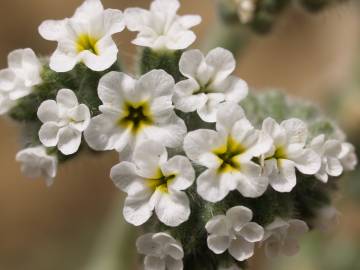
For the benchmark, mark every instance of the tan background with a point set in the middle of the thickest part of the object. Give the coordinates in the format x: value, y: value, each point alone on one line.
x: 55, y: 228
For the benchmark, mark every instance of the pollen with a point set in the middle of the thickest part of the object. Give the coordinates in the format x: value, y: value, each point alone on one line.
x: 136, y: 116
x: 86, y: 42
x: 160, y: 182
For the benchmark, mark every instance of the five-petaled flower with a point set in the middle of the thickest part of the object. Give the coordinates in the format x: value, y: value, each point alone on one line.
x: 281, y: 237
x: 63, y: 120
x: 329, y: 152
x: 209, y: 83
x: 234, y: 232
x: 154, y: 182
x: 134, y: 111
x: 228, y: 154
x: 17, y: 80
x: 287, y: 153
x: 36, y: 162
x: 160, y: 27
x: 161, y: 251
x: 86, y: 37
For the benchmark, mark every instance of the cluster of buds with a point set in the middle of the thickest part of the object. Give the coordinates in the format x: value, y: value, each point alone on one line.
x: 260, y: 15
x: 210, y: 169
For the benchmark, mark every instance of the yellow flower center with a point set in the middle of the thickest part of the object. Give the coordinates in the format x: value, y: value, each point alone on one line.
x: 136, y: 116
x: 87, y: 43
x: 160, y: 182
x: 227, y: 156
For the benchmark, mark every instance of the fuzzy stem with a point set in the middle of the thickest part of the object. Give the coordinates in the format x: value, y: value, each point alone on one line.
x: 115, y: 248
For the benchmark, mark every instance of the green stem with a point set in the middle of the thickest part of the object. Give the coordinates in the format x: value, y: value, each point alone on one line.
x: 115, y: 248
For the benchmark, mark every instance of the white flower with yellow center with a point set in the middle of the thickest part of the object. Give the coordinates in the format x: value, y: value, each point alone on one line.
x: 228, y: 154
x: 153, y: 182
x: 161, y: 250
x: 17, y: 80
x: 329, y: 152
x: 160, y: 27
x: 209, y: 83
x: 63, y: 120
x: 86, y: 37
x: 36, y: 162
x: 234, y: 232
x: 135, y: 110
x: 287, y: 153
x: 281, y: 237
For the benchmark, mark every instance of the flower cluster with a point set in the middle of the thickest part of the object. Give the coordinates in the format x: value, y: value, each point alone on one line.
x: 200, y: 172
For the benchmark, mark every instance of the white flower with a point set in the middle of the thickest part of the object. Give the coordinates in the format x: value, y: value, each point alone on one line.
x: 228, y: 154
x: 63, y: 120
x: 281, y: 237
x: 326, y: 218
x: 348, y: 157
x: 209, y: 83
x: 86, y: 37
x: 134, y: 110
x: 288, y: 153
x: 17, y: 80
x: 234, y: 232
x: 329, y: 152
x: 35, y: 162
x: 161, y: 251
x: 161, y: 27
x: 246, y: 9
x: 154, y: 182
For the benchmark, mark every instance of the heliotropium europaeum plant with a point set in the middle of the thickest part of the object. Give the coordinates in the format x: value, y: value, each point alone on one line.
x: 210, y: 169
x: 261, y: 15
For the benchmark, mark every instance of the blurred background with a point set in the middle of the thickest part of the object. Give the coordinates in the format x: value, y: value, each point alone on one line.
x: 315, y: 56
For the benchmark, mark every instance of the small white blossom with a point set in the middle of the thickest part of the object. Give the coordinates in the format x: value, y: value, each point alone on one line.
x: 329, y: 152
x: 326, y: 218
x: 36, y: 162
x: 246, y: 9
x: 86, y: 37
x: 234, y: 232
x: 209, y: 83
x: 17, y: 80
x: 281, y: 237
x: 160, y: 27
x: 288, y: 152
x: 63, y: 120
x: 134, y: 111
x: 153, y: 182
x: 161, y: 250
x: 228, y: 153
x: 348, y: 156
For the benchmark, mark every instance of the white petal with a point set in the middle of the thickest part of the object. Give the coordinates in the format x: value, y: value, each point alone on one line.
x: 218, y: 244
x: 184, y: 173
x: 88, y: 9
x: 173, y: 264
x: 239, y: 216
x: 211, y: 187
x: 283, y: 180
x: 148, y: 156
x: 112, y: 87
x: 52, y: 30
x: 332, y: 148
x: 69, y: 141
x: 334, y: 167
x: 113, y: 21
x: 67, y: 98
x: 64, y: 58
x: 218, y: 225
x: 190, y: 62
x: 181, y: 40
x: 307, y: 162
x: 222, y: 61
x: 7, y: 80
x: 173, y: 208
x: 228, y: 114
x: 154, y: 263
x: 237, y: 89
x: 241, y: 250
x: 274, y: 130
x: 48, y: 134
x: 184, y: 99
x: 165, y: 6
x: 209, y: 111
x: 250, y: 183
x: 296, y: 130
x: 48, y: 111
x: 125, y: 177
x: 81, y: 117
x: 157, y: 82
x: 175, y: 251
x: 137, y: 209
x: 136, y: 18
x: 189, y: 21
x: 252, y: 232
